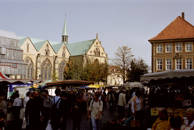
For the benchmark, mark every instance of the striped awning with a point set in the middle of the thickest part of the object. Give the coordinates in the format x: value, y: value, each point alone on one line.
x: 3, y: 76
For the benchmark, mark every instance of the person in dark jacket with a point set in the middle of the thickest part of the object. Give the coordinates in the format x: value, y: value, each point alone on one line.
x: 33, y: 112
x: 77, y: 110
x: 63, y: 110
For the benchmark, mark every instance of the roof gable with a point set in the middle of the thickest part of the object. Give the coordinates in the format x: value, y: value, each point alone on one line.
x: 56, y: 47
x: 21, y: 41
x: 79, y: 48
x: 39, y: 44
x: 177, y: 29
x: 44, y: 45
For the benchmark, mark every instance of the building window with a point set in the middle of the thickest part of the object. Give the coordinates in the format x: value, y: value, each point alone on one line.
x: 46, y: 69
x: 189, y: 63
x: 168, y: 48
x: 178, y: 47
x: 178, y: 64
x: 159, y: 64
x: 188, y: 47
x: 168, y: 64
x: 29, y: 70
x: 28, y: 47
x: 159, y: 48
x: 97, y: 52
x: 61, y: 70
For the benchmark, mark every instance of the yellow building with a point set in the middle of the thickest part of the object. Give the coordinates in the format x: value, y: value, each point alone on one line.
x: 173, y: 47
x: 46, y: 59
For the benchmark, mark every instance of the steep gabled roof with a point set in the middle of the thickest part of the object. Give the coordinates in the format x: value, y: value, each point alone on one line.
x: 177, y: 29
x: 39, y: 44
x: 21, y: 41
x: 57, y: 46
x: 79, y: 48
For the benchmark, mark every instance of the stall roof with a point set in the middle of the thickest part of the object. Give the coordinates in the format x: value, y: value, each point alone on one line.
x: 146, y: 78
x: 69, y: 83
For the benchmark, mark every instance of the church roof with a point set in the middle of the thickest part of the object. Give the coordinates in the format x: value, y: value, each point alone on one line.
x: 177, y: 29
x: 56, y: 47
x: 21, y: 41
x: 79, y: 48
x: 39, y: 44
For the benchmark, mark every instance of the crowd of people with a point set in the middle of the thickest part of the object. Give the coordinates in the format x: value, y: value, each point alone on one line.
x: 38, y: 110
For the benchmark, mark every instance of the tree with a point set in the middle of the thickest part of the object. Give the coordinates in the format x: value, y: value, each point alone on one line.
x: 91, y: 71
x: 73, y: 70
x: 138, y: 68
x: 123, y: 60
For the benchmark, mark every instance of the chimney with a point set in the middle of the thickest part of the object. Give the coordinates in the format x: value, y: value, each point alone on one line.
x: 183, y: 15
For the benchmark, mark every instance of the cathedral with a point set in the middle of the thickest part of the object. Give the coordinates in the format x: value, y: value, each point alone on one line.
x: 46, y: 59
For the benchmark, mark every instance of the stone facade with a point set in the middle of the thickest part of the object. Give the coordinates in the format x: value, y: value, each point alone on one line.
x: 173, y: 48
x: 44, y: 63
x: 46, y: 60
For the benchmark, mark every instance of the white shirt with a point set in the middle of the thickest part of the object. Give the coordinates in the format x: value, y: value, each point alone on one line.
x: 95, y: 108
x: 26, y: 99
x: 122, y: 99
x: 17, y: 102
x: 135, y: 101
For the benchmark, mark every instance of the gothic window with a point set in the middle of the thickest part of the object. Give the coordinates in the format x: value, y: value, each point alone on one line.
x: 28, y: 47
x: 97, y: 52
x: 47, y: 50
x: 29, y: 70
x: 61, y: 70
x: 63, y: 54
x: 46, y: 69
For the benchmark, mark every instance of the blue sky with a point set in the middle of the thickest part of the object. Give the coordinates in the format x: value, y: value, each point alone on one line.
x: 118, y: 22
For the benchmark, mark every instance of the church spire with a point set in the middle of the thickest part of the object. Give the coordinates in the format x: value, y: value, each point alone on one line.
x: 64, y: 34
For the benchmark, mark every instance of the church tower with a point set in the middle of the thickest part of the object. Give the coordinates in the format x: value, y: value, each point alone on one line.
x: 64, y: 34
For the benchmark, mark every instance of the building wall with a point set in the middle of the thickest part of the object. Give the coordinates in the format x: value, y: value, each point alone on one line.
x: 183, y: 55
x: 11, y: 61
x: 39, y: 57
x: 97, y: 52
x: 114, y: 79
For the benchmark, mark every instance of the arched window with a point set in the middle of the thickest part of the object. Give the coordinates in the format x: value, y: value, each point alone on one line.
x: 28, y: 47
x: 29, y: 70
x: 97, y: 52
x: 61, y: 70
x: 46, y: 69
x: 96, y: 61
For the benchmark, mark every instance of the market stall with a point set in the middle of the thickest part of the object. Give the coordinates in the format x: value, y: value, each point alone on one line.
x: 66, y: 85
x: 172, y: 90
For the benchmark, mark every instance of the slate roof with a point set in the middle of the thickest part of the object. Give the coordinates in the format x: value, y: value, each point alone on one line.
x: 21, y: 42
x: 56, y: 47
x: 39, y: 44
x: 177, y: 29
x: 79, y: 48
